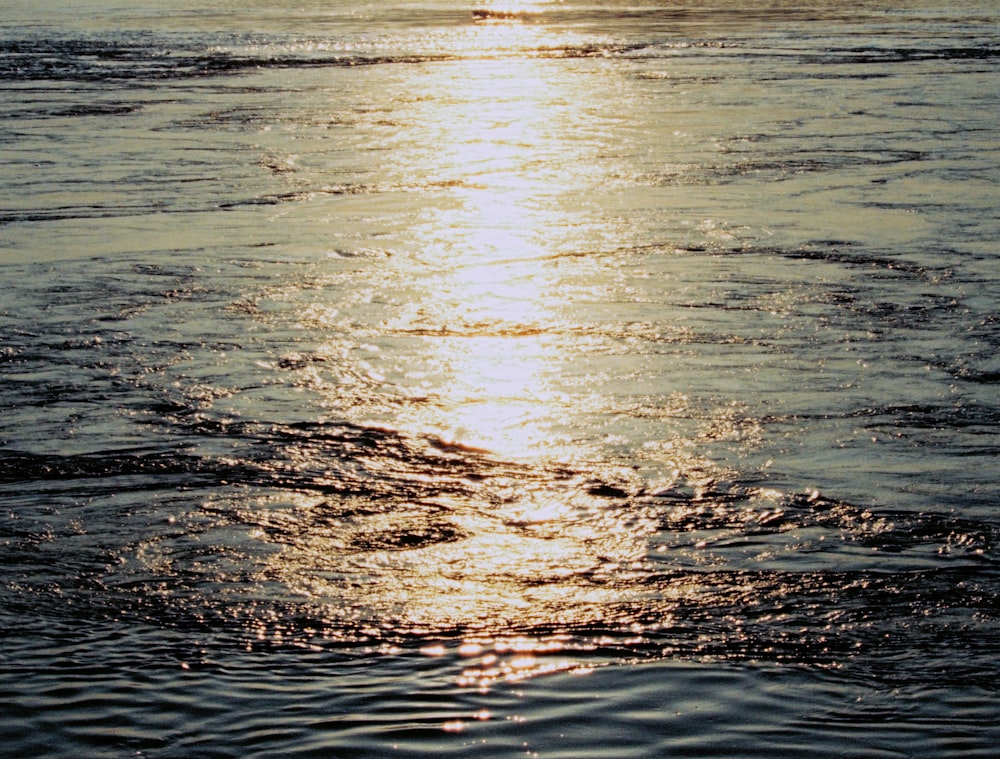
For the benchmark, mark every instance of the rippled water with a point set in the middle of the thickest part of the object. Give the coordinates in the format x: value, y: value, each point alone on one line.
x: 557, y: 378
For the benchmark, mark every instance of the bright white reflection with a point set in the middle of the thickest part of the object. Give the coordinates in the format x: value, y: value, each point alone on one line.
x: 514, y: 6
x: 490, y: 325
x: 506, y: 141
x: 480, y: 333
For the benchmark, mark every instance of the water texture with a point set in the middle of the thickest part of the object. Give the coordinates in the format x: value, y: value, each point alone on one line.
x: 548, y: 378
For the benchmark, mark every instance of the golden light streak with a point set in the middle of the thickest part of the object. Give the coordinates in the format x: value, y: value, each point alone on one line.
x: 481, y: 348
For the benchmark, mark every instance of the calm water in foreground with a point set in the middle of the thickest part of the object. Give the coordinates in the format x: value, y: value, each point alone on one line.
x: 562, y: 379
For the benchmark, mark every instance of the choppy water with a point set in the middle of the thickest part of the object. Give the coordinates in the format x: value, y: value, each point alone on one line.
x: 565, y: 378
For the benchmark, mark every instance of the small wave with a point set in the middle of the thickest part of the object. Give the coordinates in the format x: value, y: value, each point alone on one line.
x: 21, y: 467
x: 139, y: 59
x: 867, y: 55
x: 489, y: 15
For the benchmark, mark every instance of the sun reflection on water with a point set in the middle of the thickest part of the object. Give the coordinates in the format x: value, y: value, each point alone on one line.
x: 503, y: 135
x: 480, y: 338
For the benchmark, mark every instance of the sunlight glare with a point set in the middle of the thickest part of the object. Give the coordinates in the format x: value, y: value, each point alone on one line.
x: 493, y: 309
x: 479, y: 340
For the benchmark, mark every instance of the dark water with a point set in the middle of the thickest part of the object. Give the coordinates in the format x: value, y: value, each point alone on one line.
x: 553, y: 379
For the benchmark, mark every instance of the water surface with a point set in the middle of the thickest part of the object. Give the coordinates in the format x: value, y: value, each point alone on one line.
x: 565, y: 378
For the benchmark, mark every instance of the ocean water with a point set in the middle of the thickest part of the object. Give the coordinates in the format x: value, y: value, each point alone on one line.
x: 555, y: 379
